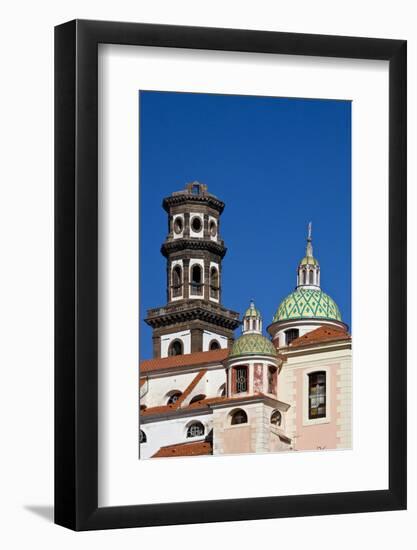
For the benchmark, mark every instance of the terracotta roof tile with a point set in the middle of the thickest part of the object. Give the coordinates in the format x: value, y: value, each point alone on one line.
x: 198, y: 448
x: 157, y: 410
x: 321, y: 334
x: 204, y: 403
x: 190, y: 388
x: 190, y: 359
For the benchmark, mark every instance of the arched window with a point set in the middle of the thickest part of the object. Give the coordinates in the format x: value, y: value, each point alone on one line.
x: 214, y: 344
x: 311, y: 277
x: 175, y: 348
x: 196, y: 429
x: 176, y: 281
x: 214, y: 283
x: 304, y: 277
x: 276, y: 418
x: 142, y: 436
x: 240, y: 382
x: 317, y: 394
x: 239, y: 417
x: 272, y: 379
x: 178, y: 225
x: 222, y: 391
x: 196, y: 278
x: 198, y: 397
x: 173, y: 397
x: 290, y: 335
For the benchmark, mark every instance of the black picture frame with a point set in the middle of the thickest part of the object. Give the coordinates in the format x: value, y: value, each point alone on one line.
x: 76, y: 272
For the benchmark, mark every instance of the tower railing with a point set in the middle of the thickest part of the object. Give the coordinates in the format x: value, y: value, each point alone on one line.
x: 176, y: 290
x: 196, y: 289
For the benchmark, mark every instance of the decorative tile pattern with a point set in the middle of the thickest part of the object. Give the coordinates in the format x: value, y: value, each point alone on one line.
x: 307, y: 304
x: 253, y: 344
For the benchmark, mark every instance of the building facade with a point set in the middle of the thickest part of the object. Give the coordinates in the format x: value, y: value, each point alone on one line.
x: 204, y: 392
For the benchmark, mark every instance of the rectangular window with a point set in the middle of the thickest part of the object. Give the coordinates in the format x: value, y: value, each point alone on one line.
x: 317, y: 395
x: 241, y: 379
x: 291, y: 335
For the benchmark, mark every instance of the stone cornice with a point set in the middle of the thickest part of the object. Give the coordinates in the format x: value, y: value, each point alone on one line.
x: 186, y: 198
x: 176, y: 245
x: 167, y: 316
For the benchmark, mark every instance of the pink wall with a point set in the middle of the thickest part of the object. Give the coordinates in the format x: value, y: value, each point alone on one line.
x: 315, y: 436
x: 258, y: 378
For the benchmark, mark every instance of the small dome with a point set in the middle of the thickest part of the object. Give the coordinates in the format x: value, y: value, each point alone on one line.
x: 305, y: 303
x: 252, y: 344
x: 252, y: 311
x: 309, y: 260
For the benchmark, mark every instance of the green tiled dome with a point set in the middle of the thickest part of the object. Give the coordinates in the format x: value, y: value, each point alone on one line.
x: 252, y: 344
x: 306, y: 303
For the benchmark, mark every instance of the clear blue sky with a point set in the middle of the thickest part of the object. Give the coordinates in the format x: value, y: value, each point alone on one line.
x: 277, y: 163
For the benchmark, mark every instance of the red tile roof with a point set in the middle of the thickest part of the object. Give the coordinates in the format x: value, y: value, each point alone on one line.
x: 204, y: 403
x: 321, y: 334
x: 188, y: 360
x: 198, y: 448
x: 190, y: 387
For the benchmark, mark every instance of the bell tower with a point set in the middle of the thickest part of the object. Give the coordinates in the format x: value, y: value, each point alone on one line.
x: 193, y: 318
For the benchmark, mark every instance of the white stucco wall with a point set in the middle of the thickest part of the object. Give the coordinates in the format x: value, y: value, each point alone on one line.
x: 183, y: 335
x: 160, y: 386
x: 208, y: 336
x: 170, y: 432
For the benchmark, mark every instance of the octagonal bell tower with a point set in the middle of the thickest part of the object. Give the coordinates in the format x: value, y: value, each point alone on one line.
x: 193, y: 318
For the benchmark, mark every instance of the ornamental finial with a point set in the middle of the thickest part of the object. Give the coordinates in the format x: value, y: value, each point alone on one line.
x: 309, y: 248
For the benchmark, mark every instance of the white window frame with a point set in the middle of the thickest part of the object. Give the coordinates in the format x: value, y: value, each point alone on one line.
x: 214, y: 264
x: 173, y: 264
x: 197, y: 437
x: 193, y: 262
x: 178, y: 235
x: 213, y: 219
x: 326, y: 419
x: 197, y: 234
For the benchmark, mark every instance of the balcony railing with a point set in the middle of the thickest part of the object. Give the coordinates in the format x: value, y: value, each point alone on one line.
x: 214, y: 292
x: 176, y: 291
x: 196, y: 289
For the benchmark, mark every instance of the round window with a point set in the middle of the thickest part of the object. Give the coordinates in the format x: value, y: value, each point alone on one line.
x: 178, y: 225
x: 196, y: 224
x: 213, y: 228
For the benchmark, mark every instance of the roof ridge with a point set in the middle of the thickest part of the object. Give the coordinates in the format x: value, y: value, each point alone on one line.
x: 321, y: 334
x: 190, y: 388
x: 189, y: 359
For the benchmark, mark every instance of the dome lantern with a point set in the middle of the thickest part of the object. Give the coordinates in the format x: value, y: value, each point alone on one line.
x: 308, y: 273
x: 252, y: 342
x: 252, y: 320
